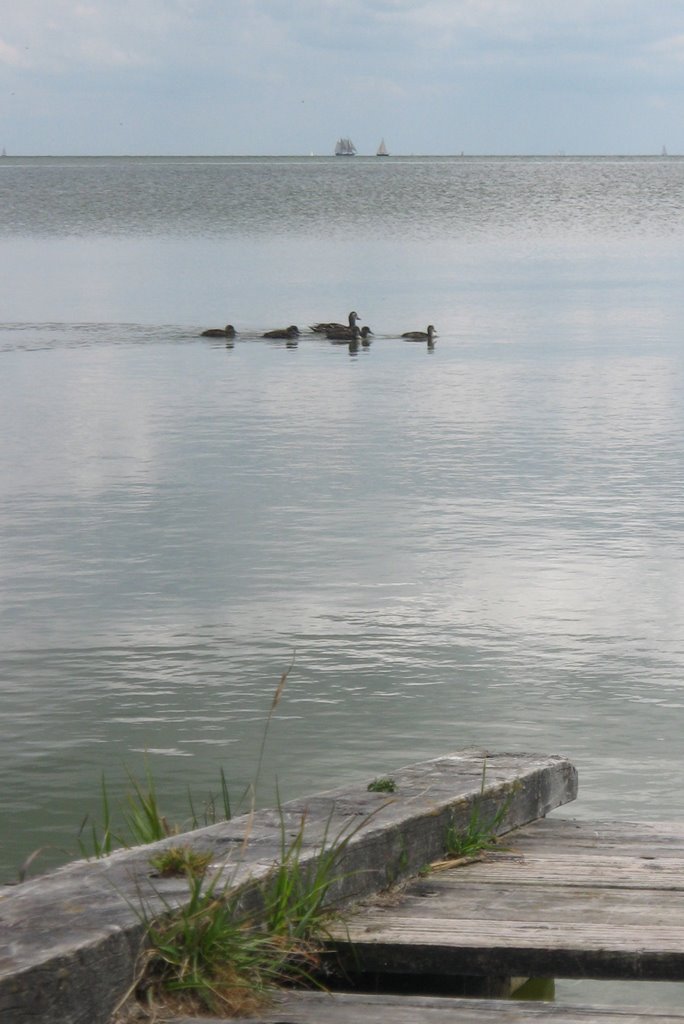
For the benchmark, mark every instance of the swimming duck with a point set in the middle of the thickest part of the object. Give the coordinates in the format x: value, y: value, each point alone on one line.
x: 219, y: 332
x: 324, y: 328
x: 283, y: 332
x: 348, y: 333
x: 428, y: 335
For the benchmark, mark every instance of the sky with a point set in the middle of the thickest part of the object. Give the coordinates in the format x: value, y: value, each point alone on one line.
x: 289, y: 77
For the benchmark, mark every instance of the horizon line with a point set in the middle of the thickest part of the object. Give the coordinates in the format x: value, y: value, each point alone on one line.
x: 296, y: 156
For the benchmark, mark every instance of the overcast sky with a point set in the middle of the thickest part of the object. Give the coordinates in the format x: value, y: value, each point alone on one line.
x: 290, y: 76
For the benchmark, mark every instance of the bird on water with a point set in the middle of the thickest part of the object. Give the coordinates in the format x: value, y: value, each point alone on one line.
x: 350, y: 334
x: 428, y: 335
x: 219, y: 332
x: 283, y: 332
x: 324, y: 328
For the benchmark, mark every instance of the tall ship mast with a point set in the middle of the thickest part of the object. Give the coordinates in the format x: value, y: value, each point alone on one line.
x: 345, y: 147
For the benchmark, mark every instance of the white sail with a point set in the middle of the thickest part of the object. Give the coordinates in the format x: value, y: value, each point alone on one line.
x: 382, y: 149
x: 345, y: 147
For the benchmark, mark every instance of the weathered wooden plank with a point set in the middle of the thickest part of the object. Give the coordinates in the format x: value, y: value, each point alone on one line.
x: 508, y: 939
x: 578, y: 870
x: 626, y: 838
x: 472, y: 947
x: 321, y: 1008
x: 450, y: 899
x: 540, y: 909
x: 566, y: 872
x: 613, y: 828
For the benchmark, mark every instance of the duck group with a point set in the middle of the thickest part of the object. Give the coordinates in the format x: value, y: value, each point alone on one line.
x: 350, y: 332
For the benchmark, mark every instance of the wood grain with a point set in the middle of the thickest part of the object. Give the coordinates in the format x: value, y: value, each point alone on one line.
x: 568, y: 899
x: 320, y: 1008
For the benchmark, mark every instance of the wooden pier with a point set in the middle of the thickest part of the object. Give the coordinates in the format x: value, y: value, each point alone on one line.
x: 564, y: 899
x: 561, y: 898
x: 556, y: 898
x: 320, y: 1008
x: 70, y: 941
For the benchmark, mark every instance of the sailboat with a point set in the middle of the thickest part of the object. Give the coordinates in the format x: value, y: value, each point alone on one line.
x: 382, y: 149
x: 345, y: 147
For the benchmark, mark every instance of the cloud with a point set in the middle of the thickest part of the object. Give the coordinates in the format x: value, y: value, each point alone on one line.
x: 670, y: 48
x: 396, y: 64
x: 12, y: 56
x: 63, y: 35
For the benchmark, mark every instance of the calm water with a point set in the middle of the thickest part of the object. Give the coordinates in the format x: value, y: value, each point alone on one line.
x: 479, y: 545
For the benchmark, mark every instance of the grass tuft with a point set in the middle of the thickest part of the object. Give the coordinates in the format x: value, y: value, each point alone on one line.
x: 481, y: 832
x: 142, y: 816
x: 294, y: 895
x: 214, y: 809
x: 142, y: 821
x: 382, y: 785
x: 102, y: 839
x: 181, y: 860
x: 205, y: 955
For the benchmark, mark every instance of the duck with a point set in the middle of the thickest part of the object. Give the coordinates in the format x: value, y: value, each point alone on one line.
x: 283, y: 332
x: 428, y: 335
x: 219, y: 332
x: 350, y: 334
x: 324, y: 328
x: 345, y: 334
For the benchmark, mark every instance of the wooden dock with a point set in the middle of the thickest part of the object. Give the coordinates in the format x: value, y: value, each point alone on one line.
x: 560, y: 898
x: 565, y: 899
x: 556, y: 898
x: 319, y: 1008
x: 70, y: 940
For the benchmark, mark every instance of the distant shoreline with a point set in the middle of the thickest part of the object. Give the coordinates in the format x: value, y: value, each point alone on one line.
x: 331, y: 156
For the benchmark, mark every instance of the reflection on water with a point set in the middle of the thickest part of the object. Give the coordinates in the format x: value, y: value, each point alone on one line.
x: 478, y: 545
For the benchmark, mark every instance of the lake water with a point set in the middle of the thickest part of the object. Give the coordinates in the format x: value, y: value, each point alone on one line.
x: 481, y: 544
